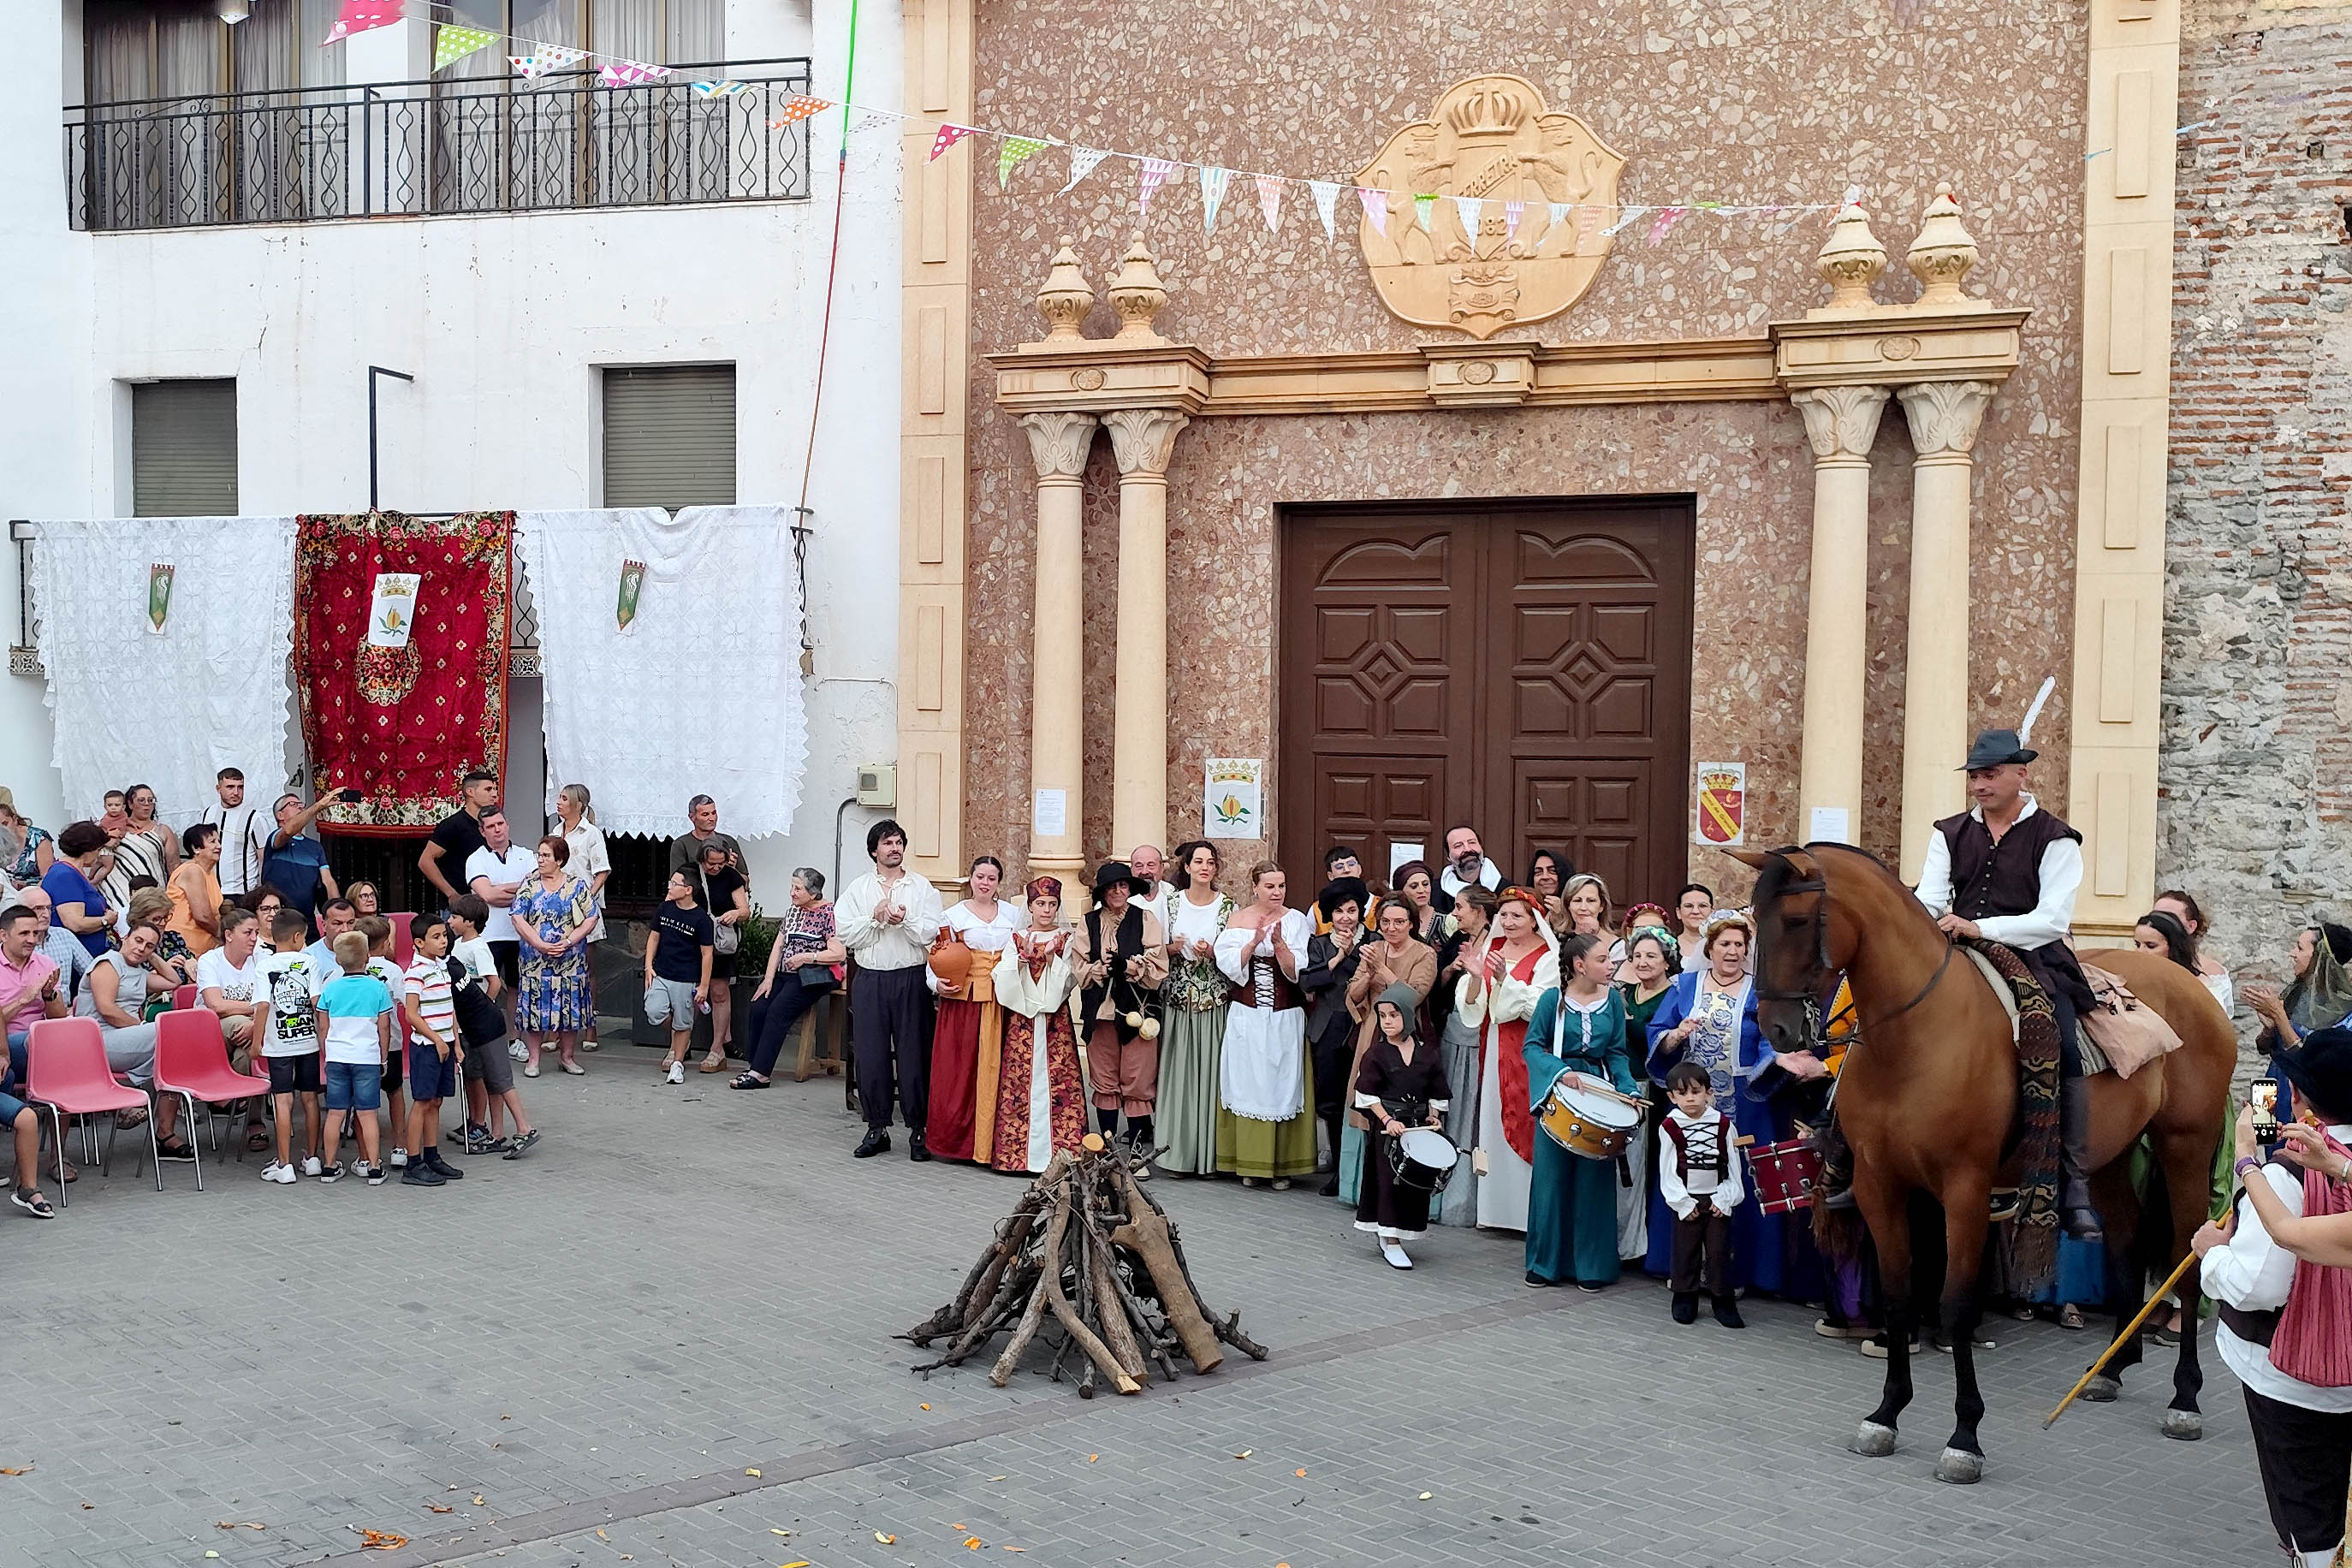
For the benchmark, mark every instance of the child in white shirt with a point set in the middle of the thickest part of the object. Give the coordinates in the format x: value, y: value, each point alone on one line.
x: 1698, y: 1175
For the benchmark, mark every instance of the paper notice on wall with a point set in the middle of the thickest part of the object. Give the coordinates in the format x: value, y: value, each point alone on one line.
x: 1404, y: 855
x: 1721, y: 813
x: 1049, y: 814
x: 1827, y: 825
x: 391, y: 609
x: 1233, y: 801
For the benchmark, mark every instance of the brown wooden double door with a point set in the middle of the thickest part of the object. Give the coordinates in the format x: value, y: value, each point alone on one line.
x: 1522, y: 666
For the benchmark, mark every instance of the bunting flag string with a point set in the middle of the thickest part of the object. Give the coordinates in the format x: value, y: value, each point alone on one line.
x: 1421, y: 207
x: 1326, y: 201
x: 1151, y: 174
x: 1269, y: 199
x: 800, y: 107
x: 1014, y: 154
x: 1083, y: 161
x: 1213, y: 193
x: 630, y: 73
x: 1376, y: 209
x: 547, y: 57
x: 728, y: 88
x: 360, y: 16
x: 1560, y: 211
x: 1469, y: 210
x: 948, y: 137
x: 1512, y: 213
x: 451, y: 44
x: 1668, y: 218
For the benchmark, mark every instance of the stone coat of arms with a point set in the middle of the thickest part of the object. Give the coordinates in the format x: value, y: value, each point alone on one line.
x: 1491, y: 138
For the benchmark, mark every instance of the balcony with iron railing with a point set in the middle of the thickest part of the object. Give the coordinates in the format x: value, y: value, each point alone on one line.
x: 411, y: 149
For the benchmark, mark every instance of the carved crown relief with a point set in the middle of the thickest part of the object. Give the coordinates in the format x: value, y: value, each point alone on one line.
x: 1490, y: 137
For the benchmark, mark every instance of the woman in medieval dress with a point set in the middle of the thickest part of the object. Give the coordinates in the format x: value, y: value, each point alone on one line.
x: 968, y: 1040
x: 1474, y: 918
x: 1193, y: 1012
x: 1041, y: 1100
x: 1266, y: 1128
x: 1503, y: 978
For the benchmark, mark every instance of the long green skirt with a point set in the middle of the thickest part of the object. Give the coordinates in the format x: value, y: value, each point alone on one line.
x: 1572, y: 1216
x: 1250, y: 1148
x: 1192, y: 1047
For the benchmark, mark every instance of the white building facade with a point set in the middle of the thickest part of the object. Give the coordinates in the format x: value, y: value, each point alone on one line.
x: 231, y: 203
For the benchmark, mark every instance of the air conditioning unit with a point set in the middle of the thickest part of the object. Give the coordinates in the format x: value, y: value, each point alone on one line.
x: 877, y: 785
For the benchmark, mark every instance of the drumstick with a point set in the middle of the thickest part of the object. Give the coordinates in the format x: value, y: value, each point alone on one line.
x: 2129, y: 1329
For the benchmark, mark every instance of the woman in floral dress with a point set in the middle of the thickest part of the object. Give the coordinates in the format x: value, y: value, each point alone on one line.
x: 1041, y: 1096
x: 554, y: 914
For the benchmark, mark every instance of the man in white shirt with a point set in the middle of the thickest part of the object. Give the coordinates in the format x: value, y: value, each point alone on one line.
x: 886, y: 920
x: 1466, y: 862
x: 2008, y: 871
x: 1147, y: 863
x: 245, y: 832
x: 494, y: 874
x: 2301, y: 1430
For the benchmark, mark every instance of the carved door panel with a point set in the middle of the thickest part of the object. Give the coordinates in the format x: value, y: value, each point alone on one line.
x: 1522, y: 668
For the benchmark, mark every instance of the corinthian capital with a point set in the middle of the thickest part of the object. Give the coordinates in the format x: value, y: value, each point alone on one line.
x: 1143, y: 439
x: 1841, y: 421
x: 1059, y: 442
x: 1945, y: 416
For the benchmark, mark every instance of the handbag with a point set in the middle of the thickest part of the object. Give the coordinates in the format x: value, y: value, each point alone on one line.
x: 724, y: 939
x: 817, y: 977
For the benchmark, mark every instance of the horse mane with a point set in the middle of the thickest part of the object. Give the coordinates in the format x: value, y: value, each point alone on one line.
x: 1776, y: 871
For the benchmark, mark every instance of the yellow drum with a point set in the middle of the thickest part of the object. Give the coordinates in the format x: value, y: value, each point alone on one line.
x: 1595, y: 1122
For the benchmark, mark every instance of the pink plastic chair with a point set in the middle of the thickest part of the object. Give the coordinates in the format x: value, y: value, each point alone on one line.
x: 66, y: 1072
x: 182, y: 999
x: 404, y: 940
x: 192, y: 1061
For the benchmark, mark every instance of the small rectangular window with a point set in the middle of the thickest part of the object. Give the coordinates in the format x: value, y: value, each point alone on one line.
x: 670, y: 435
x: 184, y: 449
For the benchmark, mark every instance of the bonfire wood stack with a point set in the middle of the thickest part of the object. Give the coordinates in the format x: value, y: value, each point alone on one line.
x: 1087, y: 1246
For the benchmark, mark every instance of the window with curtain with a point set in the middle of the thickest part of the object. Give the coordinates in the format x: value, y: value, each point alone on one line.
x: 657, y: 142
x: 500, y: 142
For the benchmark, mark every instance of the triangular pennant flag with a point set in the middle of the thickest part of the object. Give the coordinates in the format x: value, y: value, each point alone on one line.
x: 1326, y: 201
x: 1269, y: 199
x: 1010, y: 156
x: 1083, y: 161
x: 1376, y: 209
x: 1150, y: 176
x: 547, y: 57
x: 1668, y: 218
x: 876, y: 119
x: 630, y: 73
x: 1467, y: 209
x: 359, y: 16
x: 1421, y: 207
x: 948, y: 137
x: 1631, y: 214
x: 800, y: 107
x: 1560, y: 211
x: 452, y: 44
x: 1512, y: 213
x: 718, y: 89
x: 1213, y: 193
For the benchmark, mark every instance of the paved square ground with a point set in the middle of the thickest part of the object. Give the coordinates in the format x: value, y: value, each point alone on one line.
x: 584, y: 1357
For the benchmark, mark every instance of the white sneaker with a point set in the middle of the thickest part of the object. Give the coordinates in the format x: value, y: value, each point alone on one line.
x: 1395, y: 1254
x: 399, y: 1160
x: 274, y: 1171
x: 677, y: 1072
x: 518, y: 1051
x: 311, y: 1167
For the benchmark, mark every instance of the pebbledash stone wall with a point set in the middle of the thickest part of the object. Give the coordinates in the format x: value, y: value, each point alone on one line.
x: 2255, y: 814
x: 1739, y: 103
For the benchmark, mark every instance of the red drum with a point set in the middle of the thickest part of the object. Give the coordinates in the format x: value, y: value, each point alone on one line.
x: 1784, y: 1174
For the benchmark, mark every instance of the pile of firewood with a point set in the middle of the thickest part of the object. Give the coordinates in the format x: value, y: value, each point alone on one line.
x: 1088, y: 1247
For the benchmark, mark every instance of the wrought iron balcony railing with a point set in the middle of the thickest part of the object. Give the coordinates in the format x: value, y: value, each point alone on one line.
x: 482, y: 144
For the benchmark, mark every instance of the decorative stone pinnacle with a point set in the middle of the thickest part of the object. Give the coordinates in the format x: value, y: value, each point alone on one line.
x: 1136, y: 295
x: 1943, y: 253
x: 1849, y: 260
x: 1064, y: 299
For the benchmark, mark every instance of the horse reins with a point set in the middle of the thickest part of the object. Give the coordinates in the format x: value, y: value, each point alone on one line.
x: 1811, y: 998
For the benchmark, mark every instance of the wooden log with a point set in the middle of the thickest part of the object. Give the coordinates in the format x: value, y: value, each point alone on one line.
x: 1031, y: 1320
x: 1097, y: 1353
x: 1010, y: 1247
x: 1007, y: 1306
x: 1145, y: 1234
x: 1110, y: 1308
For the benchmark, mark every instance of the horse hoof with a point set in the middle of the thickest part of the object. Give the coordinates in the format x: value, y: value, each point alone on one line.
x: 1959, y: 1467
x: 1872, y: 1441
x: 2101, y: 1390
x: 2187, y: 1425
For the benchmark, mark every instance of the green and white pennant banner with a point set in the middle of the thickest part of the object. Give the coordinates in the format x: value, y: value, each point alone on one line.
x: 1421, y: 207
x: 1016, y: 151
x: 451, y: 44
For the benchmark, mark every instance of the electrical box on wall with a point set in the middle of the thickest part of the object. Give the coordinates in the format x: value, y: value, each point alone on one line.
x: 877, y: 785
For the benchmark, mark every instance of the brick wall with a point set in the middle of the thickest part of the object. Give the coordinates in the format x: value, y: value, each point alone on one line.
x: 2256, y: 808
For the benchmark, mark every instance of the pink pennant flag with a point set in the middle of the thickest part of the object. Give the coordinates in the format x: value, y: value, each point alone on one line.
x: 1666, y: 219
x: 1269, y: 199
x: 1512, y: 213
x: 948, y: 137
x: 630, y: 73
x: 360, y: 16
x: 1153, y: 173
x: 1376, y: 208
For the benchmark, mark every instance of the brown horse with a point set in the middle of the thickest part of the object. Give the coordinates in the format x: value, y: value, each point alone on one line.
x: 1929, y: 1100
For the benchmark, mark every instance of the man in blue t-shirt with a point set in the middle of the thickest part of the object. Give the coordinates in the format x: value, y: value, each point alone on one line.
x: 296, y: 866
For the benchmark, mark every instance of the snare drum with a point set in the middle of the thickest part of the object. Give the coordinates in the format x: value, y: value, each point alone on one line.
x: 1423, y: 1159
x: 1594, y: 1123
x: 1785, y: 1174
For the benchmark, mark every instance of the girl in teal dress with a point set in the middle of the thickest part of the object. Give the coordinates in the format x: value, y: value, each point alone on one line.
x: 1578, y: 1027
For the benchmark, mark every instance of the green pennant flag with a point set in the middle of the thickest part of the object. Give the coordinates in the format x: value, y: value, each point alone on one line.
x: 1016, y: 150
x: 1421, y: 207
x: 452, y: 44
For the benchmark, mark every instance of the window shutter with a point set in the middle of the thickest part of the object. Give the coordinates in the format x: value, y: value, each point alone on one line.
x: 184, y: 449
x: 669, y: 437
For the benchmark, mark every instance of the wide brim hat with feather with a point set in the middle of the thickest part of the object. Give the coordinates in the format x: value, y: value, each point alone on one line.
x: 1999, y: 748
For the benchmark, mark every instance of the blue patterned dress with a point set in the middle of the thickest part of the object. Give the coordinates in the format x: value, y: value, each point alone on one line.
x: 552, y: 997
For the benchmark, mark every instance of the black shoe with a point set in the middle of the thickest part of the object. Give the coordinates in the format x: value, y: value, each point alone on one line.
x: 2076, y: 1214
x: 442, y: 1168
x: 182, y: 1152
x: 878, y: 1142
x: 1685, y: 1307
x: 915, y: 1150
x: 1726, y: 1313
x: 420, y: 1174
x: 334, y: 1173
x: 1329, y: 1189
x: 1537, y: 1281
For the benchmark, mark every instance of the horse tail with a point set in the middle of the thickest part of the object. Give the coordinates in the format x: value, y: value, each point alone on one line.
x: 1838, y: 1233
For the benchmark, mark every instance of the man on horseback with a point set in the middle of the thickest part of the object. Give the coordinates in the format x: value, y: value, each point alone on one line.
x: 2007, y: 871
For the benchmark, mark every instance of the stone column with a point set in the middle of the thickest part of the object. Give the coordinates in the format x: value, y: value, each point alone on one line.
x: 1841, y: 422
x: 1944, y: 416
x: 1143, y: 440
x: 1058, y: 668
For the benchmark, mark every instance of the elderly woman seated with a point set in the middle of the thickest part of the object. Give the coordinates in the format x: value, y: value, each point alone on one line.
x: 115, y: 994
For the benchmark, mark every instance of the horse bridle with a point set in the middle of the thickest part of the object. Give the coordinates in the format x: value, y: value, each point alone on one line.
x: 1823, y: 975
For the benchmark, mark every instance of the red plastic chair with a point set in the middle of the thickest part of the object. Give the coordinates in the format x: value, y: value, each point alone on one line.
x: 182, y: 999
x: 404, y: 940
x: 66, y: 1072
x: 192, y: 1061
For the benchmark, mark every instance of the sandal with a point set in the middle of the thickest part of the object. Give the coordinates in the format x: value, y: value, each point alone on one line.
x: 751, y: 1080
x: 32, y: 1203
x: 257, y: 1138
x: 2070, y: 1316
x: 127, y: 1119
x: 712, y: 1064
